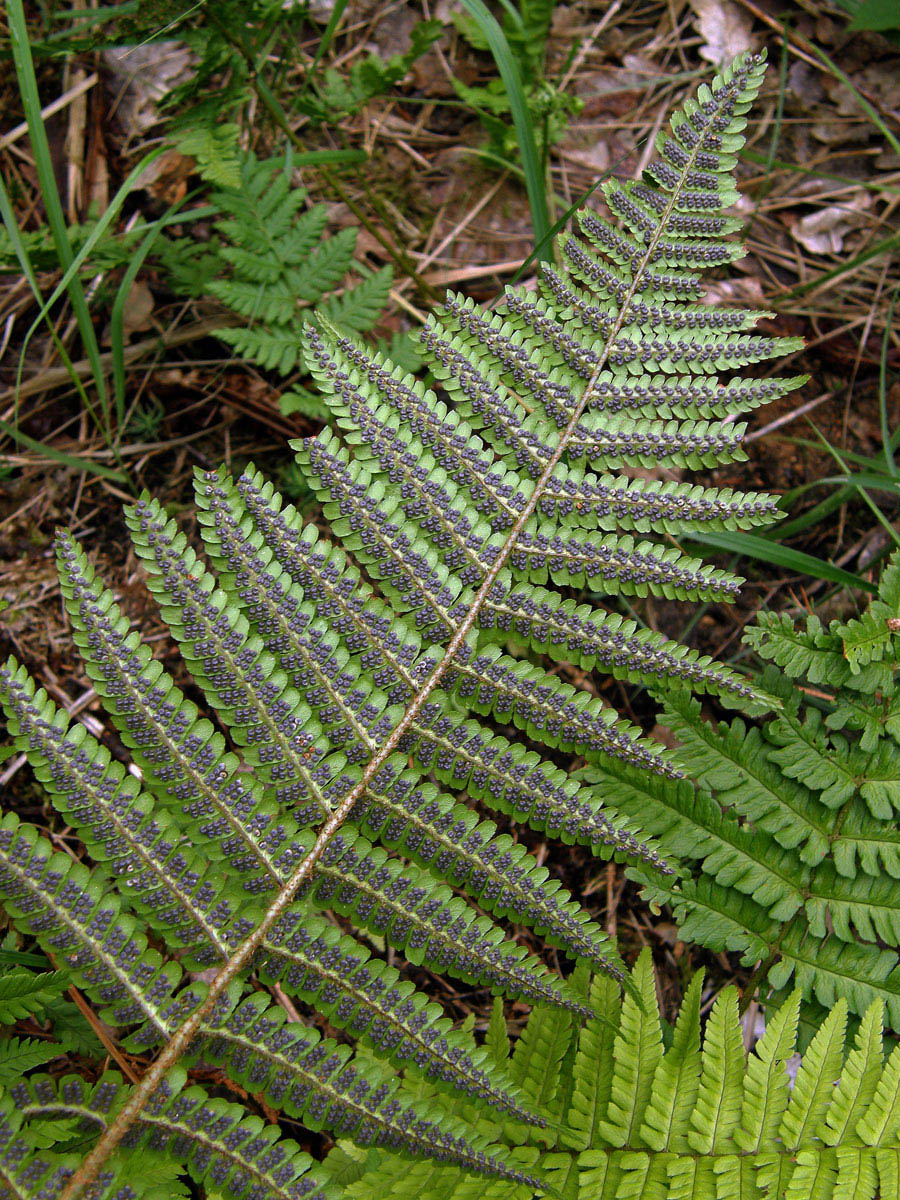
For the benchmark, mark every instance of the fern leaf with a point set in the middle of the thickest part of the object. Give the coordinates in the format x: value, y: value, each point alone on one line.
x: 24, y: 993
x: 278, y: 269
x: 116, y: 820
x: 275, y: 347
x: 102, y: 948
x: 592, y: 1067
x: 323, y: 268
x: 676, y: 1079
x: 537, y: 1057
x: 859, y: 1078
x: 766, y: 1086
x: 18, y: 1055
x: 870, y: 637
x: 717, y: 1111
x: 215, y: 148
x: 812, y: 1087
x: 638, y: 1049
x: 320, y: 1082
x: 811, y: 651
x: 882, y: 1117
x: 732, y: 761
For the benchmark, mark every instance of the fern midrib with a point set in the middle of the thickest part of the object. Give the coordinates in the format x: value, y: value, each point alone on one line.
x: 156, y: 867
x: 89, y: 1167
x: 264, y: 594
x: 422, y: 732
x: 501, y: 779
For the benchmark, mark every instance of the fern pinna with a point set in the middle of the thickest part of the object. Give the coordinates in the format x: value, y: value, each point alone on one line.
x: 791, y: 845
x: 356, y: 683
x: 640, y: 1110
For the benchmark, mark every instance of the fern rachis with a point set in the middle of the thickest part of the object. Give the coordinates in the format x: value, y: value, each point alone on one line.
x: 351, y: 673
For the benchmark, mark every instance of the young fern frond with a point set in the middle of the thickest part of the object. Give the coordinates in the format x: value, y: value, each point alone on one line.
x: 280, y: 270
x: 357, y: 682
x: 688, y: 1115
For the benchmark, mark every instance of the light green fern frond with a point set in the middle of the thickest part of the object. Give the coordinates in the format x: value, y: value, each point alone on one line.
x: 718, y: 1122
x: 278, y: 269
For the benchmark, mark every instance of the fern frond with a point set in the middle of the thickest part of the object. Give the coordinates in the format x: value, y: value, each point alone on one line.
x: 348, y: 673
x: 358, y: 307
x: 794, y: 824
x: 592, y: 1066
x: 718, y: 1108
x: 719, y: 1122
x: 278, y: 269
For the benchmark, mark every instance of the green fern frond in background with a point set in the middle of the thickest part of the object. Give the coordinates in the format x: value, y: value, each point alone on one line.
x: 640, y: 1110
x: 278, y: 270
x: 791, y: 845
x: 355, y: 682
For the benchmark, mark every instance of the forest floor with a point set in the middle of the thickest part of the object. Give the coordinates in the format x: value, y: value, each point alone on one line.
x: 820, y: 198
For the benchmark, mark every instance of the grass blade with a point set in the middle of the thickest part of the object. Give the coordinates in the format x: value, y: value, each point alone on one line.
x: 24, y: 66
x: 750, y: 545
x: 521, y: 114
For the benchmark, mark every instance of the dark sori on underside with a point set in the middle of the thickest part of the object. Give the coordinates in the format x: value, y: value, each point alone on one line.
x: 237, y: 884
